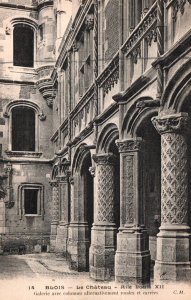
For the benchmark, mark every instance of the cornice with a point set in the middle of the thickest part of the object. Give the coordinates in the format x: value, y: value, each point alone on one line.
x: 122, y: 97
x: 18, y: 6
x: 10, y: 81
x: 83, y: 134
x: 108, y: 112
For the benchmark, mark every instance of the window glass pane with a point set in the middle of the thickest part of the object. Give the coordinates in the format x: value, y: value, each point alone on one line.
x: 23, y: 129
x: 30, y: 201
x: 23, y: 46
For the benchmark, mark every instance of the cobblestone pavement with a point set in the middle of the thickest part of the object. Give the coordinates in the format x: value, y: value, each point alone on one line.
x: 44, y: 265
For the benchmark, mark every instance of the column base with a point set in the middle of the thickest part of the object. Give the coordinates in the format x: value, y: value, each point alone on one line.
x: 61, y: 238
x: 132, y: 259
x: 78, y: 246
x: 102, y: 252
x: 173, y: 254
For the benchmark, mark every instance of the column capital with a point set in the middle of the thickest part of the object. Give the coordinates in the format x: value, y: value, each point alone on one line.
x: 174, y: 123
x: 63, y: 179
x: 130, y: 145
x: 54, y: 183
x: 104, y: 159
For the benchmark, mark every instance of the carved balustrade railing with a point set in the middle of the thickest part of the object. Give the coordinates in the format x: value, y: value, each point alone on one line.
x: 146, y: 28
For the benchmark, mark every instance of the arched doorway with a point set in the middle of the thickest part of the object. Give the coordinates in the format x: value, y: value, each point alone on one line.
x: 81, y: 210
x: 151, y: 183
x: 87, y: 185
x: 106, y: 205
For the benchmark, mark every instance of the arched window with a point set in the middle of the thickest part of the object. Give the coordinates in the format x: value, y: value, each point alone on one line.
x: 23, y: 46
x: 23, y: 129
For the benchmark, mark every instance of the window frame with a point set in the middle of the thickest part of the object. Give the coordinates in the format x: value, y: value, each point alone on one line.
x: 40, y: 199
x: 9, y: 26
x: 39, y: 116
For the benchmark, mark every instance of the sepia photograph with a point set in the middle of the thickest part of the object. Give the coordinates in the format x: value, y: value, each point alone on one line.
x: 95, y: 149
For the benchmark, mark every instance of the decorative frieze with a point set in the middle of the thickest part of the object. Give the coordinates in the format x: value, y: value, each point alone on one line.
x: 110, y: 76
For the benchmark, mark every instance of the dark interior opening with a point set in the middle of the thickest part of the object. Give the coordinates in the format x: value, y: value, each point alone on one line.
x: 88, y: 201
x: 151, y: 184
x: 30, y: 201
x: 88, y: 193
x: 23, y: 129
x: 113, y: 149
x: 23, y: 46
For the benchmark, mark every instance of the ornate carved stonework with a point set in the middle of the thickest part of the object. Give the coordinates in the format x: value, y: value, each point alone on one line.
x: 151, y: 36
x: 92, y: 171
x: 104, y: 159
x: 89, y: 22
x: 105, y: 202
x: 130, y: 145
x: 135, y: 54
x: 128, y: 190
x: 7, y: 30
x: 55, y: 201
x: 148, y: 21
x: 173, y: 123
x: 174, y: 189
x: 179, y: 5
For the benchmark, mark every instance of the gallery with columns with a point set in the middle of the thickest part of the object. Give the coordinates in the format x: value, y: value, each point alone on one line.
x: 101, y: 174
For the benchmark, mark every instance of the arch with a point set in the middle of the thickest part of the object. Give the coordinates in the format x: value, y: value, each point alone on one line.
x: 26, y: 103
x: 108, y: 134
x: 80, y: 155
x: 135, y: 116
x: 9, y: 25
x: 178, y: 88
x: 22, y: 20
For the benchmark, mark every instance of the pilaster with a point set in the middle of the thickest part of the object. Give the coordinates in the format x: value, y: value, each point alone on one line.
x: 55, y: 213
x: 62, y: 229
x: 103, y: 234
x: 132, y: 259
x: 173, y: 241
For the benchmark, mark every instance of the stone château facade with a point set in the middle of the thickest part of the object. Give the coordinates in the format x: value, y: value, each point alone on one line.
x: 95, y: 135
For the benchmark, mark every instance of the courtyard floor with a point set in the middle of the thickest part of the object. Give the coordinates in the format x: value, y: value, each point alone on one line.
x: 47, y: 276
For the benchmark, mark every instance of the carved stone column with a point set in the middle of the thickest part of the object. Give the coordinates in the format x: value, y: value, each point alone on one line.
x: 103, y: 234
x: 173, y: 240
x: 55, y: 213
x: 62, y: 230
x: 132, y: 260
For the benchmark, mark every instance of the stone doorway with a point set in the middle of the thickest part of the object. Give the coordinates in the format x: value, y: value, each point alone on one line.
x: 87, y: 180
x: 151, y: 184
